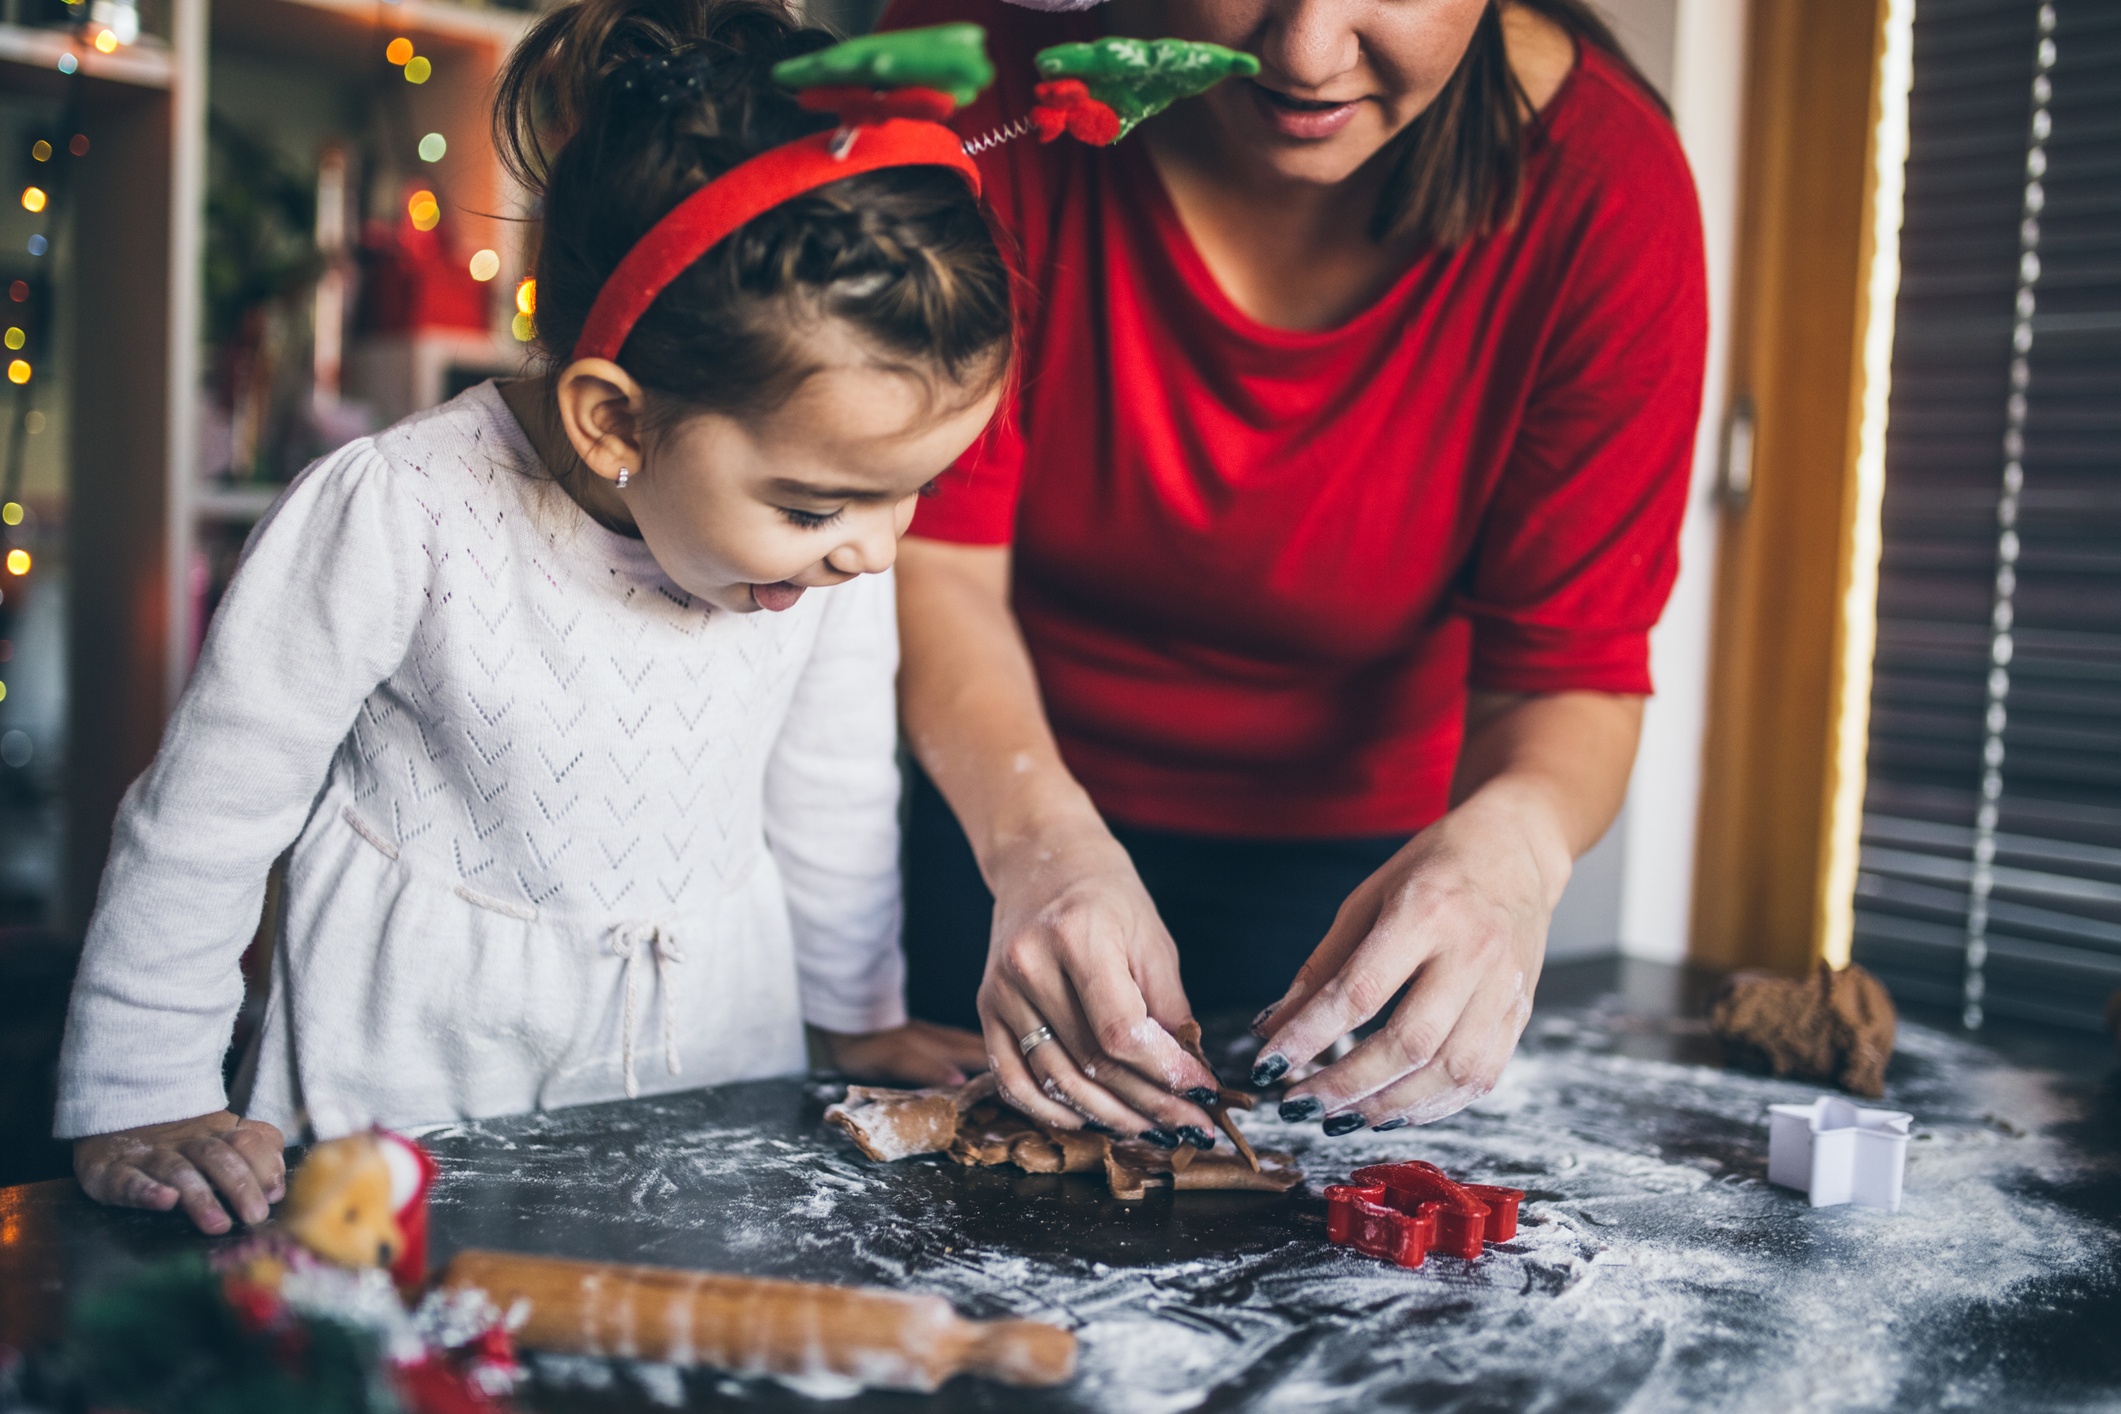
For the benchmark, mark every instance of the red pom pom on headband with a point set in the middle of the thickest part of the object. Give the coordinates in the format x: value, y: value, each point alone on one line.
x: 700, y: 222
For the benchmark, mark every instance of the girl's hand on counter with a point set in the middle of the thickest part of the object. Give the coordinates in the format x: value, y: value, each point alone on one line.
x: 918, y: 1053
x: 200, y: 1164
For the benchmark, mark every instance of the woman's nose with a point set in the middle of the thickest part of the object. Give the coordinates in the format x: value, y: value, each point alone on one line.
x: 1310, y: 43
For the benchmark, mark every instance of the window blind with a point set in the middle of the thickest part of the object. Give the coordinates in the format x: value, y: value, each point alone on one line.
x: 1990, y: 878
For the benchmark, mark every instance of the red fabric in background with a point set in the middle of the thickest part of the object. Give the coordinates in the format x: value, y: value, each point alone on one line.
x: 1257, y: 569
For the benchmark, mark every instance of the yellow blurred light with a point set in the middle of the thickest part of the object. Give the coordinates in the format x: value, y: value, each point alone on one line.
x: 527, y: 297
x: 399, y: 50
x: 33, y: 198
x: 41, y: 150
x: 15, y: 337
x: 3, y: 692
x: 524, y: 328
x: 18, y: 371
x: 485, y: 265
x: 18, y: 562
x: 11, y: 513
x: 434, y: 147
x: 417, y: 69
x: 425, y: 211
x: 107, y: 42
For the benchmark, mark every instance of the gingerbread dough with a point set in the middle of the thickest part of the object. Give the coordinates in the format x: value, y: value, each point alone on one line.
x: 1189, y: 1038
x: 1832, y: 1026
x: 976, y: 1129
x: 889, y: 1125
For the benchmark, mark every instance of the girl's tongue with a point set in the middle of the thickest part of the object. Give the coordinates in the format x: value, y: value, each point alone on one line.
x: 774, y: 598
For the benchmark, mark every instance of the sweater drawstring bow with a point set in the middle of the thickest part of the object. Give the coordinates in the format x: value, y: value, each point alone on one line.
x: 627, y: 942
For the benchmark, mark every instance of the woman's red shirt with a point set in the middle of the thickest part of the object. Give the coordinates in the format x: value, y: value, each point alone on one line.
x: 1258, y: 569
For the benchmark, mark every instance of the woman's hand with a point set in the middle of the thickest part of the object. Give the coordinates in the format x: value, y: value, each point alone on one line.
x: 918, y: 1053
x: 200, y: 1163
x: 1078, y: 947
x: 1460, y: 913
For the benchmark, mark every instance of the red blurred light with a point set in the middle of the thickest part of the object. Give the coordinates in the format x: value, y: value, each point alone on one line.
x: 19, y: 291
x: 79, y: 145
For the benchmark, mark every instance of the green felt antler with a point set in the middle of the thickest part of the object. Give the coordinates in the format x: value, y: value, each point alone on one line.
x: 949, y: 58
x: 1139, y: 78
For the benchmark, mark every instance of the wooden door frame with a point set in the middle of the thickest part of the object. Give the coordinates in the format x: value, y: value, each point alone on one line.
x: 1796, y: 593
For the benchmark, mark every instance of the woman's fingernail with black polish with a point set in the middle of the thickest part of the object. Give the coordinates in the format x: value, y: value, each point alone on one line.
x: 1162, y: 1138
x: 1261, y: 1019
x: 1196, y: 1136
x: 1203, y: 1096
x: 1389, y: 1124
x: 1342, y: 1124
x: 1301, y: 1108
x: 1270, y: 1069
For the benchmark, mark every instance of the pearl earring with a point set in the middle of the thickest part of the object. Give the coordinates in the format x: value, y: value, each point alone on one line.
x: 624, y: 477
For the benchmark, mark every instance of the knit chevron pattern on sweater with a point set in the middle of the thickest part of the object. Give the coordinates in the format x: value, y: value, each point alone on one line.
x: 539, y: 796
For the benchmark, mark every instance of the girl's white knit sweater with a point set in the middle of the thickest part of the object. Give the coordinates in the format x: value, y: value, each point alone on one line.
x: 557, y: 825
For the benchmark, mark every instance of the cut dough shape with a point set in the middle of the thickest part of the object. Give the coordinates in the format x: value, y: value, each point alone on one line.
x: 977, y: 1130
x: 1059, y: 1151
x: 987, y: 1135
x: 889, y: 1125
x: 1189, y: 1037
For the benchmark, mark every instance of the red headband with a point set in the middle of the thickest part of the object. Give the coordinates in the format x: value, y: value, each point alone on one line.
x: 696, y: 224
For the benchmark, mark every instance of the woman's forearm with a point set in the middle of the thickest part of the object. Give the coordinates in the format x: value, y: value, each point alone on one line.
x: 1559, y: 763
x: 970, y: 701
x: 1080, y: 955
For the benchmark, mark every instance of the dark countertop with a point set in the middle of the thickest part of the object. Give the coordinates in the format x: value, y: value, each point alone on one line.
x: 1656, y: 1269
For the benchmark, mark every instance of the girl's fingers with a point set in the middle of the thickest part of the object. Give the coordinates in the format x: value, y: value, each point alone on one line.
x: 1355, y: 921
x: 125, y: 1186
x: 964, y: 1049
x: 230, y: 1173
x: 1402, y: 1047
x: 262, y: 1148
x: 194, y: 1194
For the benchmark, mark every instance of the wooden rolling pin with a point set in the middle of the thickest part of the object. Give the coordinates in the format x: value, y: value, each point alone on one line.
x: 757, y: 1326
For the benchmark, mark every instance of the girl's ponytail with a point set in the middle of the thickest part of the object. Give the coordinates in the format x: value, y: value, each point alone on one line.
x: 611, y: 112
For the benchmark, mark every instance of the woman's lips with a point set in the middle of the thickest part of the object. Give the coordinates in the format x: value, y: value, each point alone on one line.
x: 1301, y: 118
x: 775, y: 598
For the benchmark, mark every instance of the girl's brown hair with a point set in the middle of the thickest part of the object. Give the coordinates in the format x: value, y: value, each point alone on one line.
x: 1458, y: 170
x: 611, y: 112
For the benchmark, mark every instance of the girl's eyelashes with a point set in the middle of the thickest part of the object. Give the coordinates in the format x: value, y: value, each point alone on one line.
x: 811, y: 520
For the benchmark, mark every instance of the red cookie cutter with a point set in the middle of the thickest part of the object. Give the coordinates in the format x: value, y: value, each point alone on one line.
x: 1400, y: 1211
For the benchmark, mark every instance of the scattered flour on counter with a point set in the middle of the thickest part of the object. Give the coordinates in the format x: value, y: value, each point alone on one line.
x: 1655, y: 1269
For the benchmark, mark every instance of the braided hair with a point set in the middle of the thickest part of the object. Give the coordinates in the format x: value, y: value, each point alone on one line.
x: 611, y: 112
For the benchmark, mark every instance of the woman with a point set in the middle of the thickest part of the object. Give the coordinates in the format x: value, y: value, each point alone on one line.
x: 1303, y: 590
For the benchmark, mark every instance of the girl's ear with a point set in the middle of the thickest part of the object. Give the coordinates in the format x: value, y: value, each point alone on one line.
x: 602, y: 409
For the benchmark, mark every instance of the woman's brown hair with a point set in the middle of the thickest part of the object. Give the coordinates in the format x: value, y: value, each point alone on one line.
x: 1458, y: 170
x: 611, y: 112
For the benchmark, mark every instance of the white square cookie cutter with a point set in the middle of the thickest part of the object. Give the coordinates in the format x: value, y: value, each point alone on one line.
x: 1839, y: 1153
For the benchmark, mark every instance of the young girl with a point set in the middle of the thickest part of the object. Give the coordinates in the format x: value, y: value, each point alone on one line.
x: 574, y: 695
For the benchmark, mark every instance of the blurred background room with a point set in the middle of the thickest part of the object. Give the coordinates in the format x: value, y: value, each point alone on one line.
x: 238, y: 234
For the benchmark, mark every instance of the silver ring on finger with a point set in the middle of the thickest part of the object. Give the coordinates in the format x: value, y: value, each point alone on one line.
x: 1032, y: 1040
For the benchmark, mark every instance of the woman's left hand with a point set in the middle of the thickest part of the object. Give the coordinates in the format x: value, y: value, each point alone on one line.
x: 1461, y: 914
x: 918, y: 1053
